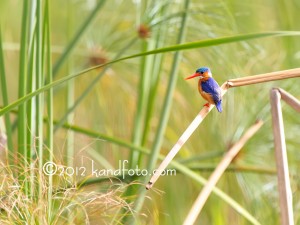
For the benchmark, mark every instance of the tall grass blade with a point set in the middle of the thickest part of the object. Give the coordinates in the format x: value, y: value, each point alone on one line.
x: 39, y: 83
x: 31, y: 111
x: 155, y: 75
x: 49, y: 102
x: 198, y: 44
x: 141, y: 104
x: 166, y: 108
x: 157, y: 66
x: 70, y: 147
x: 214, y: 42
x: 5, y: 102
x: 23, y: 81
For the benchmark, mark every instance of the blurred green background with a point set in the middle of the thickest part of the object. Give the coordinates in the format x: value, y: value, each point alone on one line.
x: 127, y: 102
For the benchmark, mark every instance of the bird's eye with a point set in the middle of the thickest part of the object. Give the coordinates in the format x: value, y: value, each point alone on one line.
x: 202, y: 72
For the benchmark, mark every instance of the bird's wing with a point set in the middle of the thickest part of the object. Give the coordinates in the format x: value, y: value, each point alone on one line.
x: 211, y: 87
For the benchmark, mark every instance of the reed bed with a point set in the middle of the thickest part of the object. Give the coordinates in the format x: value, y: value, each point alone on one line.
x: 120, y: 65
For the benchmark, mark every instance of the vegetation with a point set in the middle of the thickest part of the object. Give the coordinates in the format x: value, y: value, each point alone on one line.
x: 90, y: 84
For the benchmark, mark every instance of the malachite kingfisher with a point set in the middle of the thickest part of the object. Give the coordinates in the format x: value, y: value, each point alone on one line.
x: 208, y: 88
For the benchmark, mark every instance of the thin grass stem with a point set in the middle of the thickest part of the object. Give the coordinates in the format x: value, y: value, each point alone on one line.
x: 30, y: 112
x: 22, y: 81
x: 5, y: 102
x: 77, y: 36
x: 39, y: 83
x: 239, y: 169
x: 49, y: 102
x: 155, y: 75
x: 141, y: 104
x: 69, y: 156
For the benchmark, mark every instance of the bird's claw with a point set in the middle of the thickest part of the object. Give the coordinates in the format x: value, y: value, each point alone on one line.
x: 207, y: 104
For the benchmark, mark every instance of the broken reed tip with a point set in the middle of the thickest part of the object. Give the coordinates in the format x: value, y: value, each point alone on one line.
x: 259, y: 120
x: 229, y: 84
x: 149, y: 185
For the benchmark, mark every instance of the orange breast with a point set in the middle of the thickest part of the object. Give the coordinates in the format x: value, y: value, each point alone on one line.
x: 205, y: 95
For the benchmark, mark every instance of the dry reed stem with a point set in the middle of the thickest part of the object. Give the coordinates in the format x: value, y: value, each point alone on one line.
x: 184, y: 137
x: 284, y: 188
x: 215, y: 176
x: 279, y: 75
x: 289, y: 99
x: 266, y: 77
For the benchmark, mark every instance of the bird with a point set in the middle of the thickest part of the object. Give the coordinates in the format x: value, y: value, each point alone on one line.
x: 208, y: 88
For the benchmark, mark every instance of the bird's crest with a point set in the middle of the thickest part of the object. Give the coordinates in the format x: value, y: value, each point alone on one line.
x: 205, y: 71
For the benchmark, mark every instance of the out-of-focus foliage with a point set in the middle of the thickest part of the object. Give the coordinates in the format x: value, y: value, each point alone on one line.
x: 110, y: 107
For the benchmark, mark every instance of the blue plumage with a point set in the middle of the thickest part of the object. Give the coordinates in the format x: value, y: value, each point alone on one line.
x: 211, y: 87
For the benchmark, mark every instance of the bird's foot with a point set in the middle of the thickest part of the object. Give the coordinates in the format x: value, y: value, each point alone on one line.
x: 207, y: 104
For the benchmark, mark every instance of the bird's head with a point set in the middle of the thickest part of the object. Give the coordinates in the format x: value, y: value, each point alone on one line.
x: 202, y: 73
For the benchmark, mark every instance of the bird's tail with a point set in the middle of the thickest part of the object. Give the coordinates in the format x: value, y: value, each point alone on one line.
x: 219, y: 106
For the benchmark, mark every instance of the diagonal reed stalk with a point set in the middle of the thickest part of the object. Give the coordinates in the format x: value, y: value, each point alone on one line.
x: 279, y: 75
x: 289, y: 99
x: 219, y: 170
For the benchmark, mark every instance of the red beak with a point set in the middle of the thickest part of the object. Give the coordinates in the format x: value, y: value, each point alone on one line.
x: 192, y: 76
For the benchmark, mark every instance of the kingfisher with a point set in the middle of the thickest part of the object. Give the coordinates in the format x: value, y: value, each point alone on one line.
x: 208, y: 88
